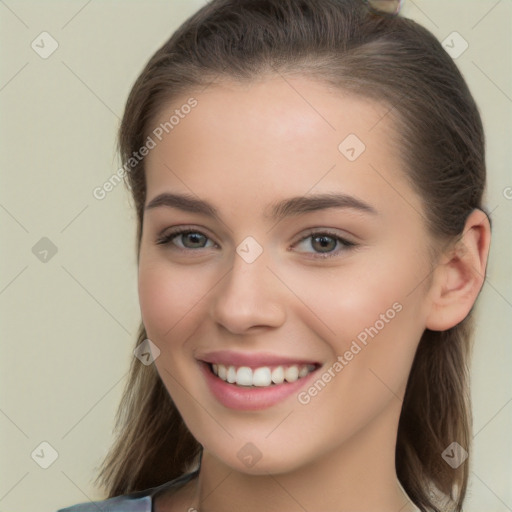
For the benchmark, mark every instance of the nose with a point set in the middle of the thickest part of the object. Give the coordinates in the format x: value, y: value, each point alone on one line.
x: 248, y: 297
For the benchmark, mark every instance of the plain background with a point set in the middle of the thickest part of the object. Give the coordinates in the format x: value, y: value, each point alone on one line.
x: 69, y: 323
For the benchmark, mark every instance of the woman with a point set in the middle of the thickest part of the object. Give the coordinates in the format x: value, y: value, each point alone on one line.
x: 308, y: 179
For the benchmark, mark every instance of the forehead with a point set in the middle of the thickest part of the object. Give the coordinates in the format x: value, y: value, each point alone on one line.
x: 278, y: 136
x: 291, y: 108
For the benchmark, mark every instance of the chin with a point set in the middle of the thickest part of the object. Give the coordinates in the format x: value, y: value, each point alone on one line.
x: 251, y: 460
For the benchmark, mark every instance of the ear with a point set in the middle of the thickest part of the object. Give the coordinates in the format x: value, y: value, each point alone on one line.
x: 459, y: 275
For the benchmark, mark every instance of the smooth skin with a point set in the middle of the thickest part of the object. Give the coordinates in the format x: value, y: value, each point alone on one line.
x: 243, y: 148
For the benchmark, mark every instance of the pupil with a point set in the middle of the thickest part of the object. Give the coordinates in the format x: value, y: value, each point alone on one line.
x: 193, y: 237
x: 325, y: 240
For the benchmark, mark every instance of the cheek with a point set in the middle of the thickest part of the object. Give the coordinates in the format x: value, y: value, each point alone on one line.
x: 379, y: 322
x: 367, y: 296
x: 368, y: 317
x: 366, y: 314
x: 170, y: 299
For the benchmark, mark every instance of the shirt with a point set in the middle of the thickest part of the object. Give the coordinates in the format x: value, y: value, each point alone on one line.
x: 140, y: 501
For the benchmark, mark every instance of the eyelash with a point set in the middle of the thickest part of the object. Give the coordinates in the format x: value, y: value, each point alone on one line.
x: 167, y: 239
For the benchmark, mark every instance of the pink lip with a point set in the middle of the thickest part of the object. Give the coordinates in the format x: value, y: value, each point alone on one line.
x: 230, y: 358
x: 251, y: 398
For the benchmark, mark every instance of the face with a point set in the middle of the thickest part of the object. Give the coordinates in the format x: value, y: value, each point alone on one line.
x: 329, y: 296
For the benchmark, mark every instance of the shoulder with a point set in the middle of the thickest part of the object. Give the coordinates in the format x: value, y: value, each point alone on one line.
x: 140, y: 501
x: 136, y: 502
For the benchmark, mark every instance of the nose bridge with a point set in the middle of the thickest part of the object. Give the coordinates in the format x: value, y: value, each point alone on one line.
x: 249, y: 266
x: 248, y: 295
x: 248, y: 280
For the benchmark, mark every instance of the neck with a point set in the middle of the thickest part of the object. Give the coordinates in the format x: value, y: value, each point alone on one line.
x: 358, y: 475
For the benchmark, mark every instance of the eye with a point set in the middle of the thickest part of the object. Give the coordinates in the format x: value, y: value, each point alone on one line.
x: 190, y: 239
x: 325, y: 242
x: 322, y: 242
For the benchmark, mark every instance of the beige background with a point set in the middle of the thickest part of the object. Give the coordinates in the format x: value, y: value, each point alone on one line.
x: 68, y: 324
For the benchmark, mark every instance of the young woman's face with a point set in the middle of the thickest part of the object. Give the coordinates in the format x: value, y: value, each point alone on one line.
x: 264, y: 290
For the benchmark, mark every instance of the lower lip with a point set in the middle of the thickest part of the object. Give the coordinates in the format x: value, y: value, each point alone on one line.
x: 251, y: 398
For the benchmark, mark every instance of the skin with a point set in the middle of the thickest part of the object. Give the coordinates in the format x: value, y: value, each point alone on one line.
x: 242, y: 148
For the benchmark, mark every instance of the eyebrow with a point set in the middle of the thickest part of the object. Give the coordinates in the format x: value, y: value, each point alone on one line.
x: 276, y: 211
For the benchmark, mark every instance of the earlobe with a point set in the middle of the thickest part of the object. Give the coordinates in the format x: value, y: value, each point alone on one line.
x: 460, y: 274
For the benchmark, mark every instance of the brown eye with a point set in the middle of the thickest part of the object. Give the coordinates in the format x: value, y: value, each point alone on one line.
x: 324, y: 244
x: 190, y: 239
x: 196, y: 239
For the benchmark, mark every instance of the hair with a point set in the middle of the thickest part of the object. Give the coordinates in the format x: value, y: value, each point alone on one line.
x: 390, y: 59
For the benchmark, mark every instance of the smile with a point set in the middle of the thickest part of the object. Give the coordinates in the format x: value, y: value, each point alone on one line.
x: 263, y: 376
x: 254, y: 381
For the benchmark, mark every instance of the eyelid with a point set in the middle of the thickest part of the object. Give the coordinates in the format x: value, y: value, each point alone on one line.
x: 346, y: 237
x: 345, y: 243
x: 166, y: 235
x: 184, y: 229
x: 177, y: 230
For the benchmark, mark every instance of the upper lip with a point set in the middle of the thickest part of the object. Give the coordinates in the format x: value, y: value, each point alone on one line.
x: 231, y: 358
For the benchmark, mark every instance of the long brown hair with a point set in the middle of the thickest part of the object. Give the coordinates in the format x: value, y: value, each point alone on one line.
x: 388, y: 58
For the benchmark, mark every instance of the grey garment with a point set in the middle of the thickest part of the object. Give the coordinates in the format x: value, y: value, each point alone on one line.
x: 141, y: 501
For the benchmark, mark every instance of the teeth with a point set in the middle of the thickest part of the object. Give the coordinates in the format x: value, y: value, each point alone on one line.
x: 303, y: 371
x: 261, y: 377
x: 230, y: 374
x: 278, y: 375
x: 291, y: 374
x: 244, y: 376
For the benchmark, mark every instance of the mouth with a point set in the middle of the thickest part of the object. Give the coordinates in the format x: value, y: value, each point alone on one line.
x: 262, y: 376
x: 254, y: 381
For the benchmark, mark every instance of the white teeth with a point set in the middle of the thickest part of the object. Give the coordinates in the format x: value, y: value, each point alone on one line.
x: 291, y: 374
x: 278, y: 375
x: 244, y: 376
x: 303, y: 371
x: 263, y: 376
x: 231, y: 374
